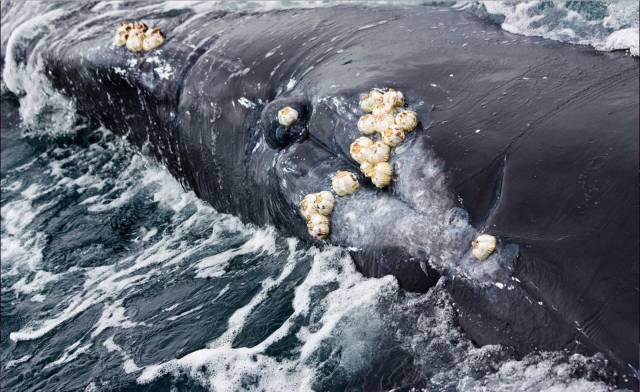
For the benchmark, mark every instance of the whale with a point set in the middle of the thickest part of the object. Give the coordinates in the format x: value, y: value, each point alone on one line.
x: 530, y: 140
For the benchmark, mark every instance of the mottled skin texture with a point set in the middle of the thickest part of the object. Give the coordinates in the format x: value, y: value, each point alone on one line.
x: 553, y: 168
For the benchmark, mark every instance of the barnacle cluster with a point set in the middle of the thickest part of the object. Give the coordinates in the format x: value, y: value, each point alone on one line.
x: 316, y: 209
x: 384, y: 116
x: 138, y: 37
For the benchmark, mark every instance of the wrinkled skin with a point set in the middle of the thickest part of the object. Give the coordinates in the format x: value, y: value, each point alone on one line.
x: 552, y: 170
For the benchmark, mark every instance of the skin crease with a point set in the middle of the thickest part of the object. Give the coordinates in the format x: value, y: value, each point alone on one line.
x: 553, y: 168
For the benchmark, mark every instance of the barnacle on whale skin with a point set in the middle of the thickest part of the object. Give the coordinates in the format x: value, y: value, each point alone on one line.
x: 393, y: 135
x: 344, y: 183
x: 382, y: 173
x: 307, y: 205
x: 384, y: 121
x: 382, y: 109
x: 407, y: 120
x: 120, y: 39
x: 134, y: 40
x: 378, y: 152
x: 318, y: 226
x: 140, y: 26
x: 153, y: 39
x: 366, y: 168
x: 359, y: 149
x: 124, y: 27
x: 483, y: 246
x: 370, y: 101
x: 287, y: 116
x: 393, y: 98
x: 367, y: 124
x: 324, y: 202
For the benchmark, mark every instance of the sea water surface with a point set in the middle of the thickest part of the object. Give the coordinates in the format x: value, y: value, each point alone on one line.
x: 115, y: 278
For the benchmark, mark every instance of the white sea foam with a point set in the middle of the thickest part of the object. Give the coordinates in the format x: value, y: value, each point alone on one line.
x: 128, y: 365
x: 262, y: 242
x: 26, y: 79
x: 622, y: 39
x: 188, y: 312
x: 21, y: 246
x: 70, y: 353
x: 561, y: 21
x: 227, y: 367
x: 18, y: 361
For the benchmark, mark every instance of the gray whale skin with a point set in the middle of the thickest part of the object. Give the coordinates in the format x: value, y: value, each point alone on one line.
x: 553, y: 169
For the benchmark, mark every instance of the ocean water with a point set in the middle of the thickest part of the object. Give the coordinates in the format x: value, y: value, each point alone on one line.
x: 115, y: 278
x: 605, y: 25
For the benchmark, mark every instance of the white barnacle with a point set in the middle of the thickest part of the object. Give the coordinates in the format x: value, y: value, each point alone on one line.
x: 344, y: 183
x: 378, y: 152
x: 393, y: 135
x: 393, y: 98
x: 134, y: 40
x: 407, y: 120
x: 382, y: 173
x: 483, y: 246
x: 366, y: 168
x: 287, y: 116
x: 318, y: 226
x: 370, y: 100
x: 367, y: 124
x: 359, y: 149
x: 153, y: 39
x: 120, y: 39
x: 383, y: 121
x: 324, y: 202
x: 307, y: 206
x: 140, y: 26
x: 124, y: 27
x: 382, y: 109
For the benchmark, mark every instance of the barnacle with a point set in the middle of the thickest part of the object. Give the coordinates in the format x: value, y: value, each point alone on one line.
x: 287, y: 116
x: 306, y: 206
x: 359, y: 149
x: 135, y: 40
x: 344, y: 183
x: 378, y: 152
x: 393, y: 98
x: 121, y: 38
x: 366, y: 168
x: 393, y: 135
x: 370, y: 100
x: 483, y: 246
x: 367, y: 124
x: 407, y: 120
x: 318, y: 226
x: 384, y: 121
x: 323, y: 202
x: 153, y: 39
x: 382, y: 173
